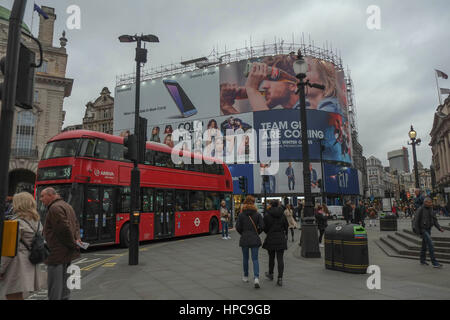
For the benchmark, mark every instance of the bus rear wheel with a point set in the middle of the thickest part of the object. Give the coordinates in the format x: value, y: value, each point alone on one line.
x: 213, y: 226
x: 125, y: 236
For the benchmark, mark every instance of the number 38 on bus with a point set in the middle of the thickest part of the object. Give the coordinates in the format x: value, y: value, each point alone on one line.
x: 88, y: 170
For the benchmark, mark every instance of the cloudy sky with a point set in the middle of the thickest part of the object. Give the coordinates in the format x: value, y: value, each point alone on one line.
x: 392, y: 68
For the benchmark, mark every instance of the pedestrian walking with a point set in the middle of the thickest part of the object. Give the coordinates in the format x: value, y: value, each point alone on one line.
x: 289, y: 213
x: 20, y: 277
x: 62, y: 232
x: 372, y: 217
x: 224, y: 218
x: 425, y: 219
x: 347, y: 212
x: 322, y: 223
x: 359, y: 214
x: 276, y: 227
x: 418, y: 201
x: 249, y: 225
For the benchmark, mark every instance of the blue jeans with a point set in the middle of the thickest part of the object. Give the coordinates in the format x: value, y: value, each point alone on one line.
x: 224, y: 228
x: 254, y: 260
x: 427, y: 242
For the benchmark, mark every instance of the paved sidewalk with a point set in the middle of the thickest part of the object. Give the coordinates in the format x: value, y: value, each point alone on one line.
x: 209, y: 267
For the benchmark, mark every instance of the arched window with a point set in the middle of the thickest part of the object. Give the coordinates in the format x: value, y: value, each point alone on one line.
x: 25, y: 131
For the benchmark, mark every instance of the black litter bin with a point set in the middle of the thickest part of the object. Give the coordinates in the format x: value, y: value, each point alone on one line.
x: 346, y: 248
x: 388, y: 222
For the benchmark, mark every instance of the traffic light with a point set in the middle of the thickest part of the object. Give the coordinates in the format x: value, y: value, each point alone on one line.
x: 243, y: 184
x: 130, y: 148
x: 142, y: 138
x: 25, y: 78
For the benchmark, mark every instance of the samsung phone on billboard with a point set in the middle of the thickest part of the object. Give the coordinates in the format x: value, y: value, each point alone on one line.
x: 180, y: 98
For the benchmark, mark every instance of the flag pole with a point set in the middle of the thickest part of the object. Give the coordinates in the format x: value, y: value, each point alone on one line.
x: 437, y: 85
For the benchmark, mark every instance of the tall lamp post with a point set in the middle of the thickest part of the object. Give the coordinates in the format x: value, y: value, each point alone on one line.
x: 141, y: 57
x: 414, y: 141
x: 309, y: 240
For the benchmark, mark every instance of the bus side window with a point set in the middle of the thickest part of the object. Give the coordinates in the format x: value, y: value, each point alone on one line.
x: 149, y: 157
x: 159, y: 159
x: 196, y: 200
x: 147, y: 200
x: 181, y: 200
x: 87, y: 148
x: 101, y: 149
x: 117, y: 152
x: 124, y: 200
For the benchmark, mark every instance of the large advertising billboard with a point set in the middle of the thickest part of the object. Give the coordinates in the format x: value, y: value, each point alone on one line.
x: 253, y: 101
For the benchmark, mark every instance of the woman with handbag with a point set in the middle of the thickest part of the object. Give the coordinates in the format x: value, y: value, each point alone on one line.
x: 249, y: 225
x: 18, y: 274
x: 289, y: 213
x: 276, y: 227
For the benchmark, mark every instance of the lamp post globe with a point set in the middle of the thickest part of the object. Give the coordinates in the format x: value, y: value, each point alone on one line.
x: 412, y: 133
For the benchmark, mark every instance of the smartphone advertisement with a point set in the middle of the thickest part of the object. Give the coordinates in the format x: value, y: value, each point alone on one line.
x: 184, y: 97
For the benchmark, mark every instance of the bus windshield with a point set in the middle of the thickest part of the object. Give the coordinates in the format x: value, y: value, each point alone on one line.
x: 60, y: 149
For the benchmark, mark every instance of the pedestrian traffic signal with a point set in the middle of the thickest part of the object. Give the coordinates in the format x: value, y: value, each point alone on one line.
x: 25, y: 78
x: 130, y: 148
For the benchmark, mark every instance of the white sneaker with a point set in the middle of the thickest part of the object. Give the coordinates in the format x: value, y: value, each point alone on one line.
x: 257, y: 283
x: 245, y: 279
x: 321, y: 245
x: 224, y: 238
x: 229, y: 238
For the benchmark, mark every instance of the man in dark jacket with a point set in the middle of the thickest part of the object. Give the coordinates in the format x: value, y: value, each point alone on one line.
x: 347, y: 211
x: 360, y: 214
x: 418, y: 201
x: 425, y: 219
x: 249, y: 225
x: 62, y: 232
x: 276, y: 227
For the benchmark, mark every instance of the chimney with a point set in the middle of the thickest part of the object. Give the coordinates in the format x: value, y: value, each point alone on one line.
x: 46, y: 26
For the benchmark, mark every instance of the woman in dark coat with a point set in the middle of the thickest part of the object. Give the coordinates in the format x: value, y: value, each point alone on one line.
x: 276, y: 227
x: 249, y: 225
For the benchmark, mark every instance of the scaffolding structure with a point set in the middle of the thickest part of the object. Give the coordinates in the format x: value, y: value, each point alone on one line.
x: 217, y: 58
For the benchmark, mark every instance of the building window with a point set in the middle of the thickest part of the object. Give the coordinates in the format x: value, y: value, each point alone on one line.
x: 25, y: 130
x: 36, y: 96
x: 43, y: 68
x: 105, y: 114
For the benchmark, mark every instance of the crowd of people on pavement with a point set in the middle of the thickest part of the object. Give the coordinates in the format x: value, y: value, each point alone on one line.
x: 22, y: 274
x: 278, y: 220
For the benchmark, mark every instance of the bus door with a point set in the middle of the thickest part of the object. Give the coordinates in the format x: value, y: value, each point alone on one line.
x: 164, y: 214
x: 99, y: 223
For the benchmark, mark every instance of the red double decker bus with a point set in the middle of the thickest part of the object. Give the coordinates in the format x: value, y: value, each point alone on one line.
x: 89, y: 171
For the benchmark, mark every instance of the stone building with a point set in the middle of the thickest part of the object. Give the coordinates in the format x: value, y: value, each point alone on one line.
x: 440, y: 146
x: 33, y: 128
x: 376, y: 178
x: 99, y: 115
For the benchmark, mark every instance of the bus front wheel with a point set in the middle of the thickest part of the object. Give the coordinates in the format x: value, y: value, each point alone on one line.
x: 125, y: 236
x: 213, y: 226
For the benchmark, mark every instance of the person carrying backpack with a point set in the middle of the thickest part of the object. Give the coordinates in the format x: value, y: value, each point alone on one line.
x: 19, y: 275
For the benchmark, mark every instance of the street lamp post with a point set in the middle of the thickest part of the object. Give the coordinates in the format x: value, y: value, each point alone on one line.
x: 141, y: 57
x: 309, y: 240
x: 414, y: 141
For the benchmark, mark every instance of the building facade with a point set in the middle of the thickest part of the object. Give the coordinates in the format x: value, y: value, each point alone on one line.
x: 376, y: 178
x: 399, y: 160
x: 440, y: 146
x: 99, y: 115
x: 33, y: 128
